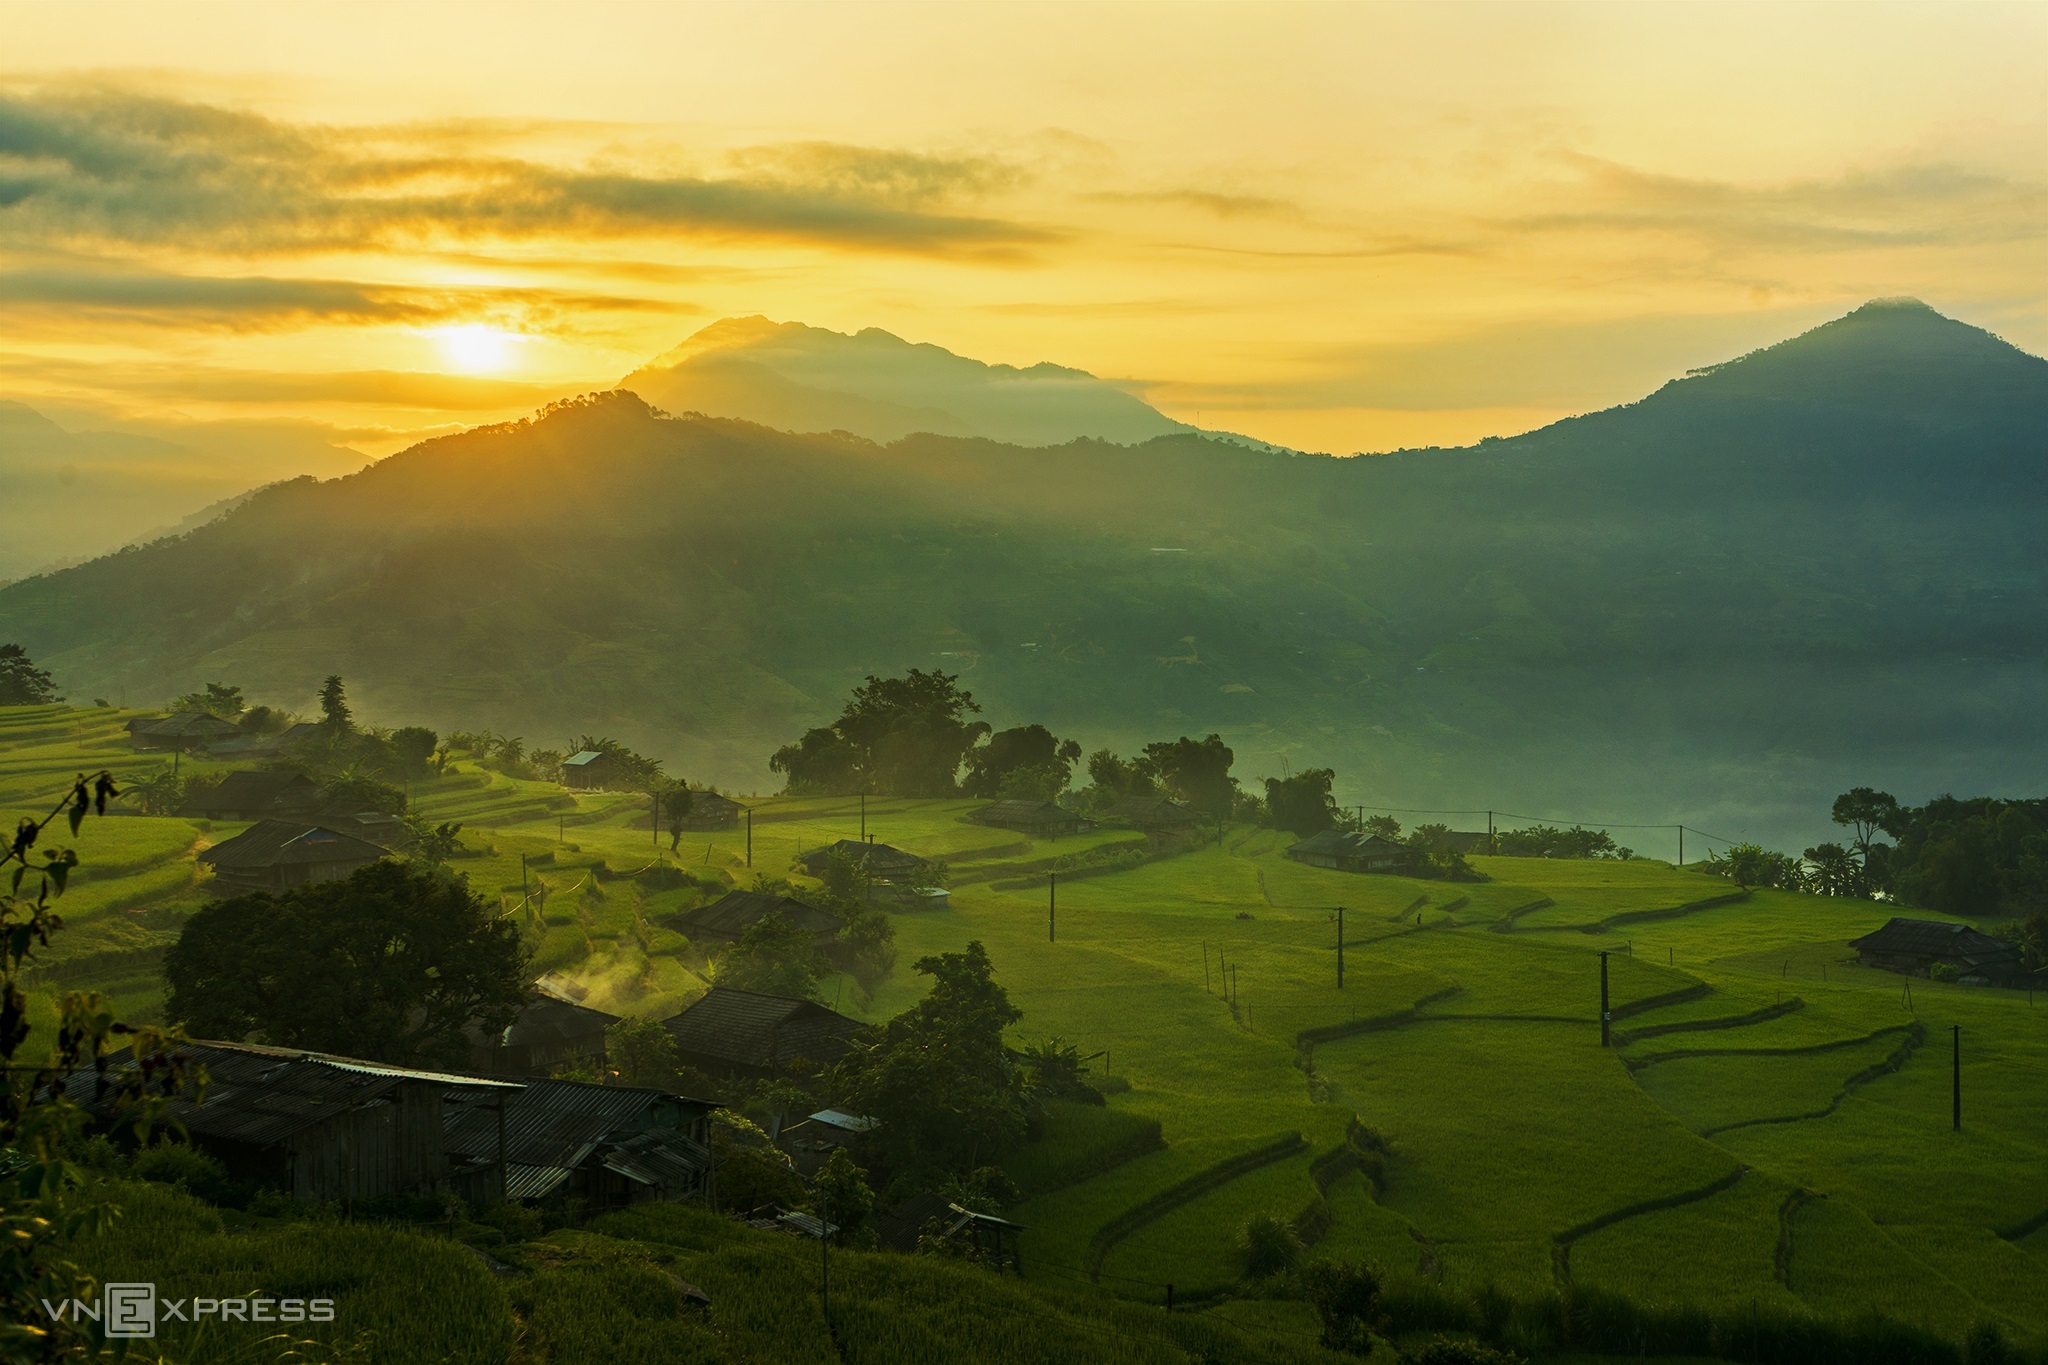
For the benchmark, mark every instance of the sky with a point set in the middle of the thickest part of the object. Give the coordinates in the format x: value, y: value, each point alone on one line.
x: 1338, y: 227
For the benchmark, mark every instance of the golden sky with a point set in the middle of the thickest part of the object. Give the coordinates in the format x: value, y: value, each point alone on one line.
x: 1342, y: 227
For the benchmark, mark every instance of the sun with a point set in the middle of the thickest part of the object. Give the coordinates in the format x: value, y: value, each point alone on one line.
x: 475, y: 348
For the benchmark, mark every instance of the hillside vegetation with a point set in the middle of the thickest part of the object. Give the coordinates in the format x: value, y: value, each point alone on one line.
x: 1766, y: 1147
x: 1815, y: 565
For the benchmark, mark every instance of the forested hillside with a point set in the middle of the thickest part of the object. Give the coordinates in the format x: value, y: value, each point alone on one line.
x: 1815, y: 566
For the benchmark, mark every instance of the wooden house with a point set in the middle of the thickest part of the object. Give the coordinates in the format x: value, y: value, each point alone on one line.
x: 884, y: 862
x: 710, y: 810
x: 1350, y: 852
x: 592, y: 770
x: 1039, y: 819
x: 1917, y: 946
x: 746, y: 1033
x: 272, y: 855
x: 182, y: 730
x: 725, y: 919
x: 810, y: 1144
x: 601, y: 1146
x: 1153, y: 814
x: 255, y: 794
x: 319, y: 1127
x: 550, y: 1033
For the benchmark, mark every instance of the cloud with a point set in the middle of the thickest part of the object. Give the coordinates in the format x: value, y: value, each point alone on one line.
x: 1208, y: 201
x: 180, y: 383
x: 116, y: 167
x: 256, y: 303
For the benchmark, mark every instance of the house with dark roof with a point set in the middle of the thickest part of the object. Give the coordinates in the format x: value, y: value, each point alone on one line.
x: 272, y: 855
x: 734, y: 1032
x: 878, y: 860
x: 186, y: 730
x: 1153, y: 814
x: 254, y: 794
x: 592, y: 770
x: 1040, y: 819
x: 603, y: 1146
x: 711, y: 810
x: 1917, y: 946
x: 725, y: 919
x: 317, y: 1126
x: 1348, y: 852
x: 551, y: 1032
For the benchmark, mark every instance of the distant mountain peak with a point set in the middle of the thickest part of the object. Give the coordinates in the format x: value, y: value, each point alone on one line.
x: 796, y: 377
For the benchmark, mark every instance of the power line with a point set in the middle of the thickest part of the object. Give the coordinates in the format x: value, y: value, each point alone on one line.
x: 1539, y: 819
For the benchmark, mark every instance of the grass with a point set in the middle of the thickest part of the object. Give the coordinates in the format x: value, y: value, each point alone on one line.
x: 1473, y: 1051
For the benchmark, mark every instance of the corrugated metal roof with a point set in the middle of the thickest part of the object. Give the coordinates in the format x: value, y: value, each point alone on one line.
x: 1334, y: 843
x: 731, y: 1027
x: 738, y: 911
x: 547, y: 1021
x: 253, y: 789
x: 666, y: 1160
x: 881, y: 859
x: 581, y: 758
x: 1933, y: 938
x: 852, y: 1123
x: 262, y: 1094
x: 555, y: 1123
x: 275, y: 843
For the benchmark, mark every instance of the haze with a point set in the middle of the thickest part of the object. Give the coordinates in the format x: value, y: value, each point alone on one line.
x: 1337, y: 228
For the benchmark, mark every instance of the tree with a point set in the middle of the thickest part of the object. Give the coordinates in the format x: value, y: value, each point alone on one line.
x: 1833, y: 871
x: 642, y: 1052
x: 902, y: 736
x: 21, y: 682
x: 334, y: 712
x: 158, y: 792
x: 1435, y: 856
x: 1197, y: 772
x: 1383, y: 827
x: 773, y: 957
x: 1110, y: 777
x: 840, y: 1195
x: 217, y: 700
x: 393, y: 964
x: 412, y: 748
x: 1302, y: 804
x: 939, y: 1081
x: 1024, y: 761
x: 432, y: 845
x: 676, y: 801
x: 1346, y: 1296
x: 1867, y: 811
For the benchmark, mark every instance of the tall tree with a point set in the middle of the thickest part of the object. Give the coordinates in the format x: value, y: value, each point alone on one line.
x: 773, y: 957
x: 1197, y: 772
x: 902, y: 736
x: 334, y: 712
x: 393, y: 964
x: 1302, y: 804
x: 676, y: 802
x: 21, y: 682
x: 218, y: 699
x: 1025, y: 760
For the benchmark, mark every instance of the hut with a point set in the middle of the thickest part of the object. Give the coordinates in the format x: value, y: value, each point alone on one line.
x: 725, y: 919
x: 734, y: 1032
x: 810, y: 1143
x: 1153, y: 814
x: 1039, y: 819
x: 254, y: 794
x: 710, y: 810
x: 983, y: 1236
x: 319, y: 1127
x: 551, y: 1031
x: 603, y: 1146
x: 591, y: 770
x: 1350, y: 852
x: 183, y: 730
x: 877, y: 860
x: 1917, y: 946
x: 272, y: 855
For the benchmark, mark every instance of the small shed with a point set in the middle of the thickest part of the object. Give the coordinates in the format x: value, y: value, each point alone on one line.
x: 255, y: 794
x: 550, y: 1032
x: 711, y: 810
x: 810, y: 1144
x: 603, y: 1145
x: 186, y: 730
x: 590, y: 770
x: 1917, y: 946
x: 1040, y: 819
x: 319, y: 1127
x: 272, y: 855
x: 987, y: 1238
x: 727, y: 1031
x: 883, y: 861
x: 1350, y: 852
x: 1153, y: 814
x: 725, y: 919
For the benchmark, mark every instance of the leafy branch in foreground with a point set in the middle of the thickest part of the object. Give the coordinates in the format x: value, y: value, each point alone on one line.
x: 41, y: 1193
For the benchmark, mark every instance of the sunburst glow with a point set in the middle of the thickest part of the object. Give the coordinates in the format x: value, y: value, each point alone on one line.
x: 475, y: 348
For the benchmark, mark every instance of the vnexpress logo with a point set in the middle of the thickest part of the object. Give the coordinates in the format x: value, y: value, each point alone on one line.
x: 133, y: 1310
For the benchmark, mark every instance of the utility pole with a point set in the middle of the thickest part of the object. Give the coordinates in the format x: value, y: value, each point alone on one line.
x: 1340, y: 947
x: 525, y: 890
x: 1681, y: 845
x: 1956, y: 1036
x: 750, y: 836
x: 825, y: 1274
x: 1489, y: 832
x: 1205, y: 971
x: 1606, y: 1017
x: 863, y: 817
x: 1052, y: 907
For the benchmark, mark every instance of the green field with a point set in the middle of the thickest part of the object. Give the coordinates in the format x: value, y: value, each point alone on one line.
x: 1772, y: 1127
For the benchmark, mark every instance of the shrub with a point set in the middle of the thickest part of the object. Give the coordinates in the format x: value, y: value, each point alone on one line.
x: 1346, y: 1297
x: 1449, y: 1351
x: 1269, y: 1245
x: 749, y: 1178
x: 174, y: 1163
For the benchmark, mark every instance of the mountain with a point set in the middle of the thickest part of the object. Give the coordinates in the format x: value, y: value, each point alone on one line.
x: 877, y: 385
x: 1814, y: 567
x: 94, y: 491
